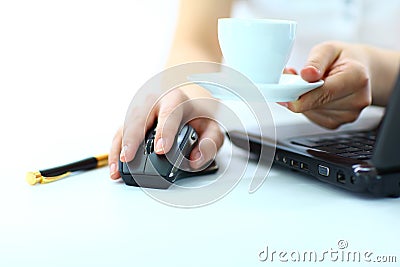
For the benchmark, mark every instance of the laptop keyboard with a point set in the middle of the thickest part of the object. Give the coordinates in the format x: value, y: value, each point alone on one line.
x: 356, y: 145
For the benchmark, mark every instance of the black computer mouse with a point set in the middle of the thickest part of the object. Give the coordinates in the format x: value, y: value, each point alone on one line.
x: 151, y: 170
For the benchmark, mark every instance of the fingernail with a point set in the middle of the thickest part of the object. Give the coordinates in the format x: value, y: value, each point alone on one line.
x: 113, y: 168
x: 197, y: 156
x: 123, y: 151
x: 159, y: 145
x: 291, y: 70
x: 316, y: 69
x: 284, y: 104
x: 198, y: 160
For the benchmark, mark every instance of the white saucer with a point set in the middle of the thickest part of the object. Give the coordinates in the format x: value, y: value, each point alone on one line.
x: 289, y: 88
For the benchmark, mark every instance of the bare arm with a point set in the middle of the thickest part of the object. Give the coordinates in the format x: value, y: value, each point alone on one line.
x: 384, y: 67
x: 196, y: 37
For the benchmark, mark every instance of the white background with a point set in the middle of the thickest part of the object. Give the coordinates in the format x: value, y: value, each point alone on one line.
x: 68, y: 69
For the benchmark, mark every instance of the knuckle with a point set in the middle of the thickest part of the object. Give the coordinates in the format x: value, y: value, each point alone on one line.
x: 151, y: 99
x: 172, y: 104
x: 363, y: 83
x: 326, y: 96
x: 349, y: 117
x: 175, y: 96
x: 353, y: 116
x: 169, y: 115
x: 327, y: 46
x: 364, y: 79
x: 293, y: 108
x: 361, y: 73
x: 330, y: 45
x: 331, y: 124
x: 148, y: 104
x: 165, y: 111
x: 315, y: 61
x: 363, y: 103
x: 296, y: 107
x: 328, y: 121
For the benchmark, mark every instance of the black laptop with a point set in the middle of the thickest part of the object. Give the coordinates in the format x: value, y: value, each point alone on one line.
x: 360, y: 161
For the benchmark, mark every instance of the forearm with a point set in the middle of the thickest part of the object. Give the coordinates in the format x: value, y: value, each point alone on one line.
x: 185, y: 51
x: 190, y: 51
x: 196, y: 37
x: 384, y: 68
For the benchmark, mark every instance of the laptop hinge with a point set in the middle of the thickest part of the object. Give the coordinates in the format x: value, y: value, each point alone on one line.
x: 386, y: 156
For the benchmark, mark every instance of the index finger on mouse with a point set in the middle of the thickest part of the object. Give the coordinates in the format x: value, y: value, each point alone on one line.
x: 137, y: 121
x: 169, y: 118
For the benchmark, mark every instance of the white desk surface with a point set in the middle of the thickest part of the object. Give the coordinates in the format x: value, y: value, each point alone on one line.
x: 89, y: 220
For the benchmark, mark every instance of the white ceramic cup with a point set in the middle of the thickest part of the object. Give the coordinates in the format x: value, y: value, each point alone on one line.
x: 258, y: 48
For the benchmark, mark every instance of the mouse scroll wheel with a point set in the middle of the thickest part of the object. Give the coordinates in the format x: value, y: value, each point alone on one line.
x: 194, y: 136
x: 149, y: 147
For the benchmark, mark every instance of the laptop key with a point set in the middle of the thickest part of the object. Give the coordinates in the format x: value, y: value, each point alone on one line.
x: 328, y: 149
x: 347, y: 154
x: 306, y: 143
x: 369, y: 142
x: 353, y: 149
x: 362, y: 157
x: 340, y: 146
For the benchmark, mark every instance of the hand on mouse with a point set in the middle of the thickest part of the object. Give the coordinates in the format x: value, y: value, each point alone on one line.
x: 169, y: 112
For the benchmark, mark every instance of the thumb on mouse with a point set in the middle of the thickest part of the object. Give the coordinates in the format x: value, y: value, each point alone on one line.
x: 203, y: 153
x: 209, y: 142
